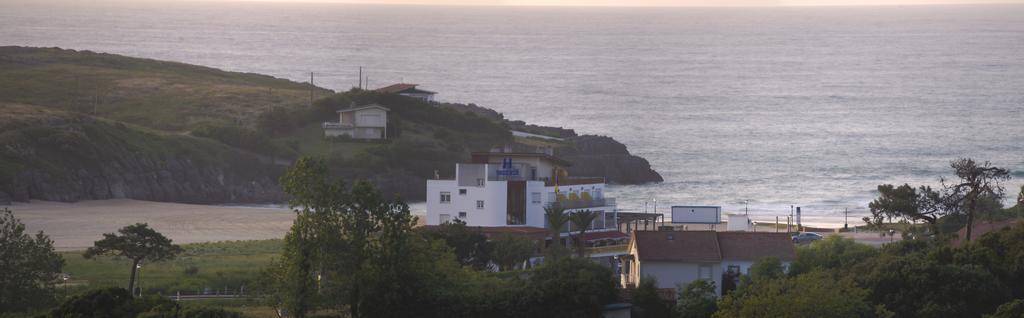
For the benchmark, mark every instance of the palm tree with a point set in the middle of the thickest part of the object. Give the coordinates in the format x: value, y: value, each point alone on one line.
x: 582, y: 221
x: 555, y: 214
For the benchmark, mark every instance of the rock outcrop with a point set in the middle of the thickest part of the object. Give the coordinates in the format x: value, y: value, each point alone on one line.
x: 602, y: 156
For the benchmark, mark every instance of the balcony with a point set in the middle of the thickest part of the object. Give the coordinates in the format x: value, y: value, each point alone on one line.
x: 330, y: 125
x: 574, y: 181
x: 584, y: 204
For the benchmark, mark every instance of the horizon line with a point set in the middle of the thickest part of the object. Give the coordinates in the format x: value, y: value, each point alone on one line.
x: 782, y: 4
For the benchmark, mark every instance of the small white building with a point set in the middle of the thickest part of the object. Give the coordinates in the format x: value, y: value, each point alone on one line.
x: 680, y: 257
x: 739, y: 223
x: 408, y: 90
x: 506, y: 189
x: 360, y: 122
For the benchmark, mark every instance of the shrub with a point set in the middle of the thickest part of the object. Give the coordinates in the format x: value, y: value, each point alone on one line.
x: 647, y: 303
x: 697, y: 299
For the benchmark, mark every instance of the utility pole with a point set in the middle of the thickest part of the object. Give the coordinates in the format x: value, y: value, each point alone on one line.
x: 846, y: 218
x: 96, y: 100
x: 360, y: 77
x: 746, y: 207
x: 311, y: 88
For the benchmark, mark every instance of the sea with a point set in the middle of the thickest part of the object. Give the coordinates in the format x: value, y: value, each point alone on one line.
x: 754, y: 109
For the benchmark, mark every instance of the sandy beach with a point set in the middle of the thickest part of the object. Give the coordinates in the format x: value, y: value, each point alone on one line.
x: 75, y: 226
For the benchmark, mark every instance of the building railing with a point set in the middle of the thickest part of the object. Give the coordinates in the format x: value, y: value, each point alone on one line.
x: 574, y: 181
x: 332, y: 125
x: 583, y: 204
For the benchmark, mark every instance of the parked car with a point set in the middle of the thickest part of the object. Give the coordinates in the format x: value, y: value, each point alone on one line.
x: 806, y: 237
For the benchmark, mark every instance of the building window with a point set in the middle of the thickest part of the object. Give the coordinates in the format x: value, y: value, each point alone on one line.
x: 462, y: 191
x: 445, y: 218
x: 446, y: 197
x: 704, y: 272
x: 734, y: 269
x: 479, y: 204
x: 462, y: 215
x: 535, y: 197
x: 598, y: 222
x: 480, y: 182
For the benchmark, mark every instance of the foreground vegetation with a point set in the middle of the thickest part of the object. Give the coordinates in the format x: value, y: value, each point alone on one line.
x: 353, y: 252
x: 200, y: 267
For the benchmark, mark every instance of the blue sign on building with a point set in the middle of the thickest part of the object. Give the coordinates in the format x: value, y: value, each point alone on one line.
x: 507, y: 169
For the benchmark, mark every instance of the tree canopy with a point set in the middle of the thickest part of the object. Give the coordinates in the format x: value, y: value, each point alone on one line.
x: 976, y: 181
x: 696, y: 299
x: 29, y: 267
x: 136, y: 242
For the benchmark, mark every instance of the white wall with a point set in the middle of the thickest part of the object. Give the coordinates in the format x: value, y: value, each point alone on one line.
x: 672, y: 274
x: 738, y: 223
x: 371, y: 117
x: 493, y: 193
x: 744, y: 265
x: 535, y: 211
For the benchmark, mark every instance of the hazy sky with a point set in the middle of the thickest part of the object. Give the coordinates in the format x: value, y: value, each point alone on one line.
x: 656, y: 2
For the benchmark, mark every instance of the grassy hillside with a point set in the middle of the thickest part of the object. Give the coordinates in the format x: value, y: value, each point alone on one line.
x: 157, y: 94
x: 78, y: 111
x: 57, y: 155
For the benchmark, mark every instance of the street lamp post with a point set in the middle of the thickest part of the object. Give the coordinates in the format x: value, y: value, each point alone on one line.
x: 65, y: 277
x: 139, y: 269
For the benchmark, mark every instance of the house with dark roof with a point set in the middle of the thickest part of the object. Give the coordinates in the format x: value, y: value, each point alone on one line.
x: 409, y: 90
x: 680, y: 257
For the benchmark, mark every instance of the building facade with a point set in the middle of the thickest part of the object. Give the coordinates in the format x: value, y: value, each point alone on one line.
x: 679, y: 257
x: 362, y: 122
x: 505, y: 189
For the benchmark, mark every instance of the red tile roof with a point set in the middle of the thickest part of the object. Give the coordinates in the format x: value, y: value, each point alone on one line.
x: 711, y: 246
x: 395, y: 88
x: 684, y: 246
x: 401, y: 87
x: 980, y: 228
x: 604, y: 235
x: 751, y: 246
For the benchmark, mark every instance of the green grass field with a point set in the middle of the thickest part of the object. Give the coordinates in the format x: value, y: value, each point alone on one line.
x: 202, y: 266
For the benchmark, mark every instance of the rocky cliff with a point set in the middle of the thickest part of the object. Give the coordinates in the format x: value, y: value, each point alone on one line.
x: 604, y: 157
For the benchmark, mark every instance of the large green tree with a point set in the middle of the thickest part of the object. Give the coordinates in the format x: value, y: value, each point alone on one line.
x: 907, y: 202
x: 815, y: 294
x: 556, y: 218
x: 832, y: 253
x: 470, y: 245
x: 976, y: 181
x: 568, y: 287
x: 137, y: 243
x: 29, y: 267
x: 510, y: 250
x: 646, y: 301
x: 353, y: 250
x: 582, y: 220
x: 696, y: 299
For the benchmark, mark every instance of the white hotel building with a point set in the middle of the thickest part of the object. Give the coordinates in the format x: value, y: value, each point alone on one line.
x: 509, y: 189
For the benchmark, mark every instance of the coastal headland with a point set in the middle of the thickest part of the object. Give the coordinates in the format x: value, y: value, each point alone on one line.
x: 81, y: 125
